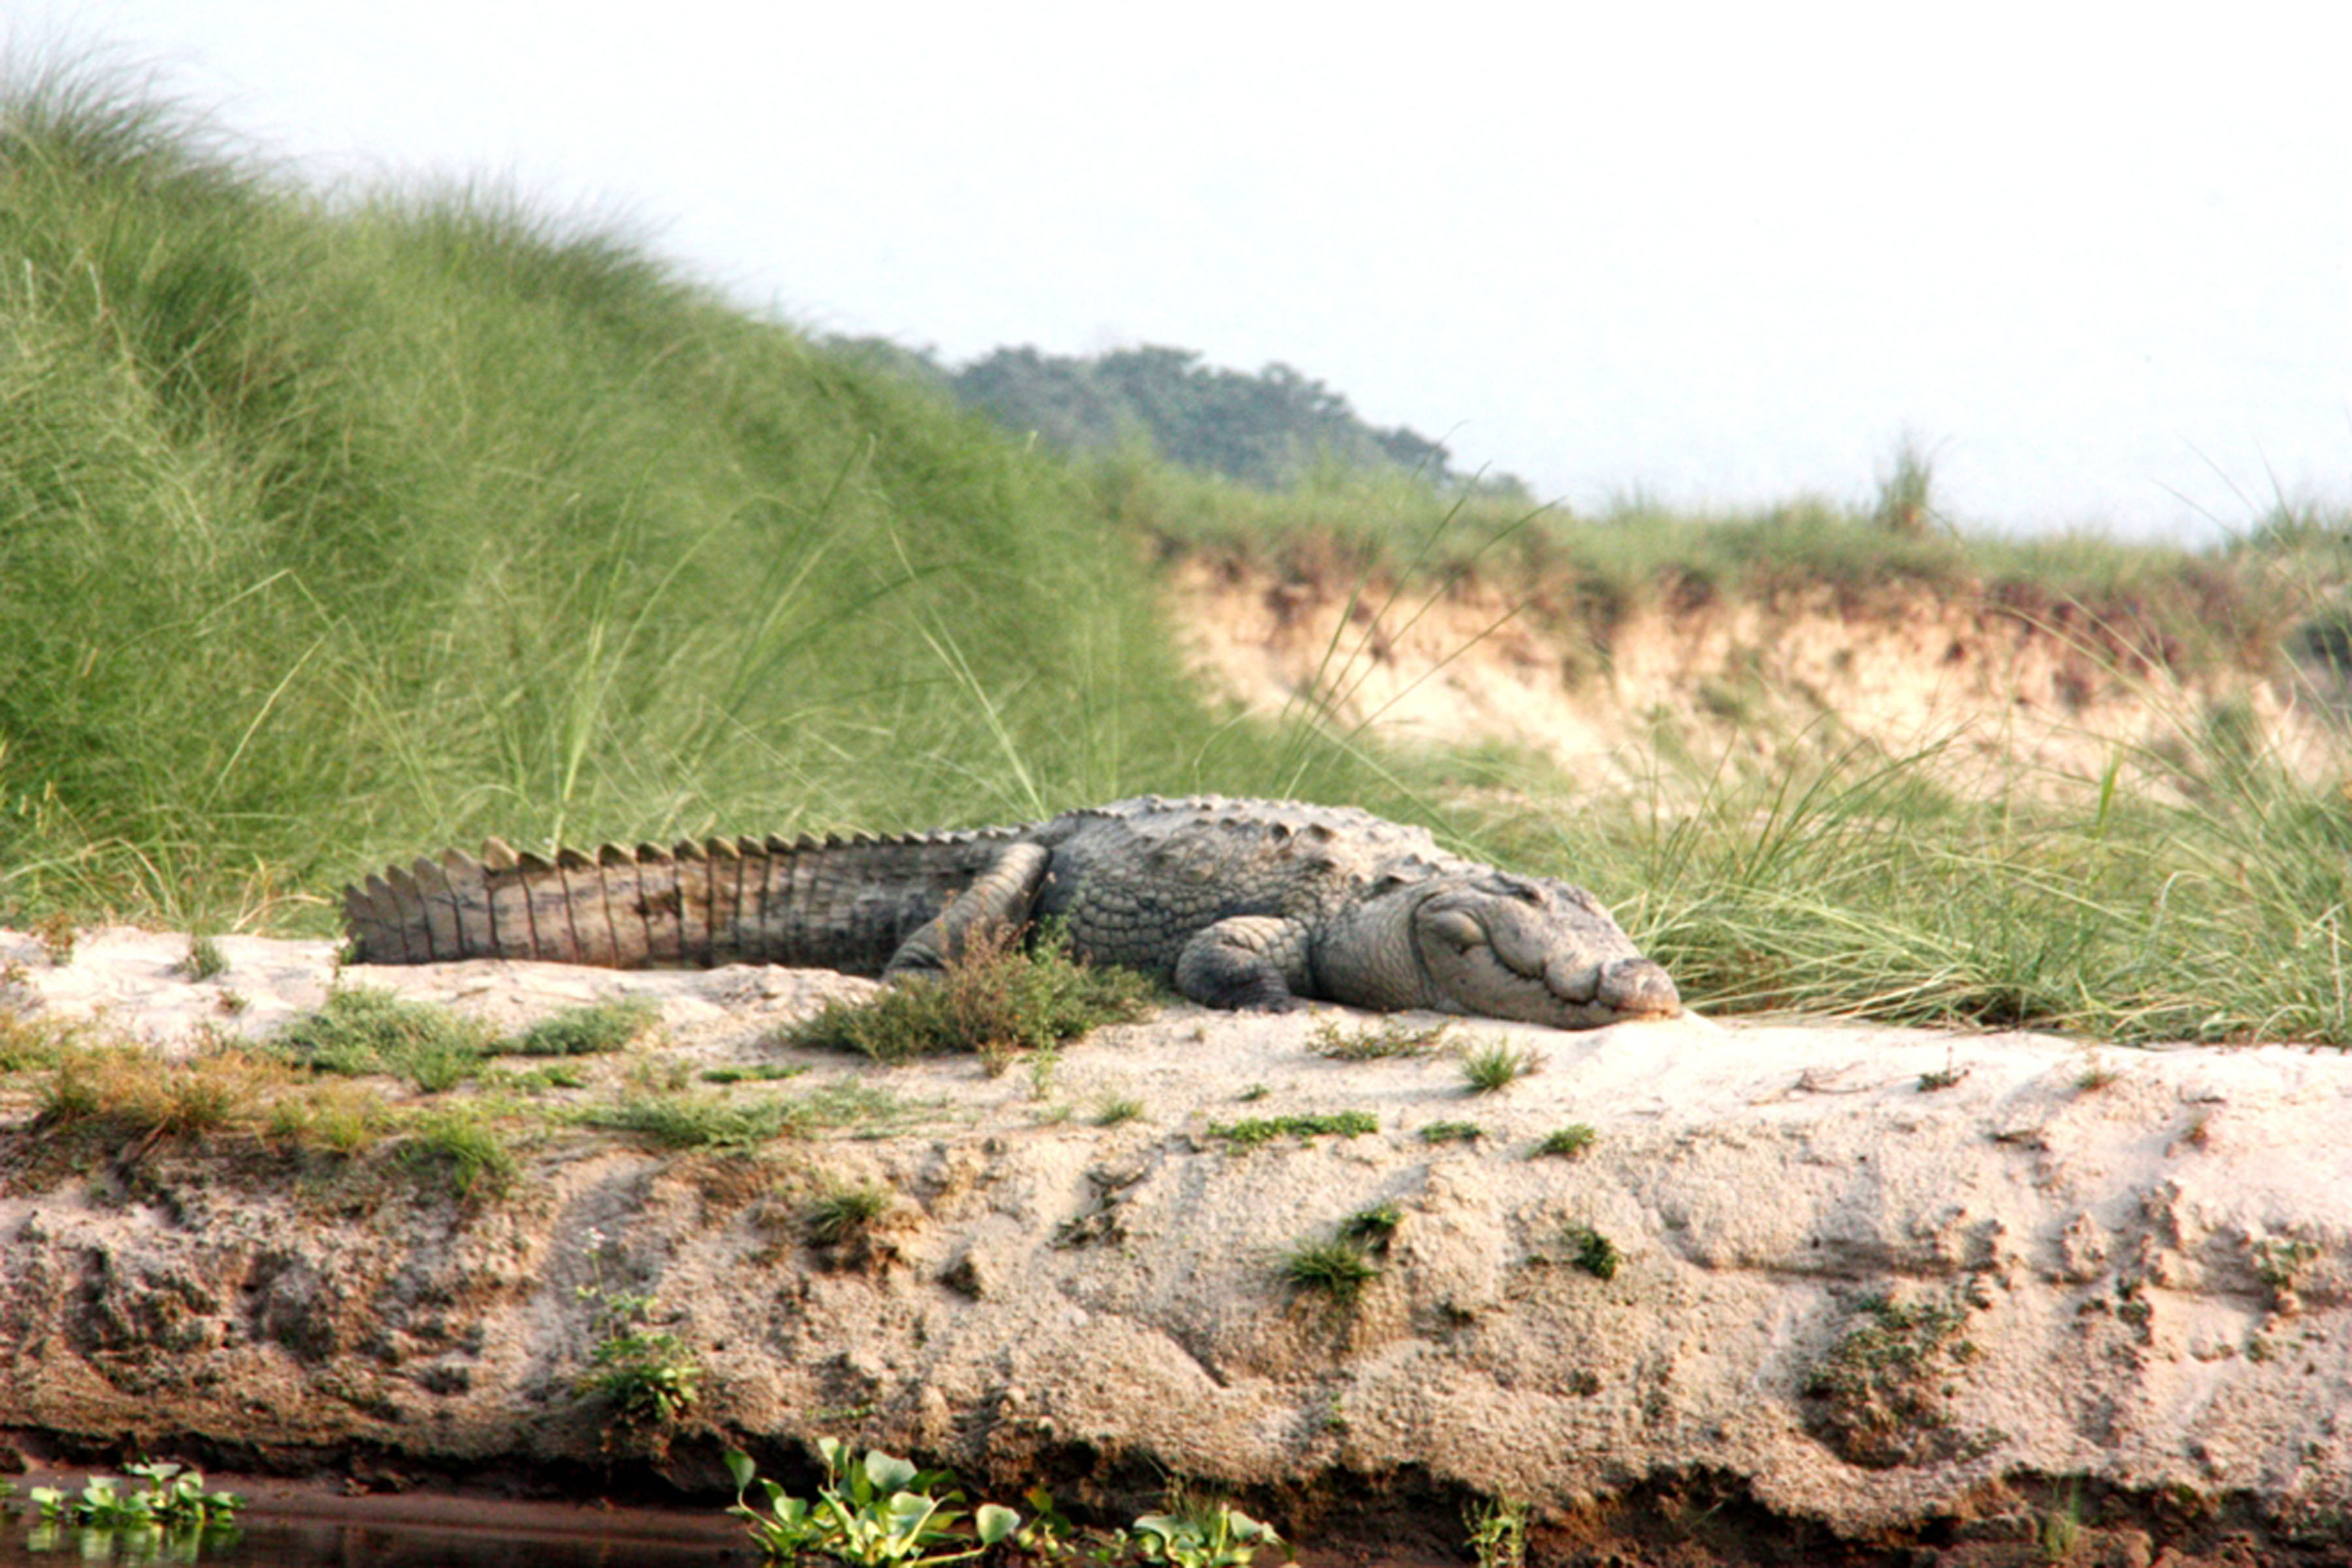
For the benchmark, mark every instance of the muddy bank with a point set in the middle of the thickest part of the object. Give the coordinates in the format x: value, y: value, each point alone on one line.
x: 2007, y: 689
x: 1861, y: 1287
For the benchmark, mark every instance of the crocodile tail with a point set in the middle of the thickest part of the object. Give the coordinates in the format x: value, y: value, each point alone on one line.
x: 835, y: 903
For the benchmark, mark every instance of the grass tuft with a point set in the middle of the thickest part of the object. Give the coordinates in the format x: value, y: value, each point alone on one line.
x: 1251, y: 1131
x: 1493, y: 1068
x: 842, y: 1213
x: 1592, y: 1252
x: 585, y: 1031
x: 1389, y: 1038
x: 995, y: 999
x: 362, y: 1031
x: 461, y: 1148
x: 1567, y: 1142
x: 1338, y: 1269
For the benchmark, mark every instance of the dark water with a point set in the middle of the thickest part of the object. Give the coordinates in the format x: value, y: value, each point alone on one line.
x: 278, y: 1542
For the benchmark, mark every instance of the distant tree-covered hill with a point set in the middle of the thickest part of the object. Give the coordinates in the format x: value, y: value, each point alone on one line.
x: 1270, y: 429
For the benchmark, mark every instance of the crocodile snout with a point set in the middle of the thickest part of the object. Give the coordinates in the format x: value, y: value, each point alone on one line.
x: 1639, y: 988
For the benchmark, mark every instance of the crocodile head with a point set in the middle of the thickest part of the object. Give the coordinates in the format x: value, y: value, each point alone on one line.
x: 1533, y: 949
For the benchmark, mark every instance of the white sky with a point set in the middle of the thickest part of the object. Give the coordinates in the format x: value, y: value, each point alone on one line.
x: 2100, y: 261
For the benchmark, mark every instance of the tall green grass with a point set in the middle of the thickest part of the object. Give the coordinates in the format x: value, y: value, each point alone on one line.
x: 329, y: 531
x: 2214, y: 907
x: 334, y: 530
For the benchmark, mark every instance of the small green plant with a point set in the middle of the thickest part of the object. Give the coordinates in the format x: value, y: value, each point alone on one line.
x: 1882, y: 1387
x: 764, y: 1072
x: 1567, y: 1142
x: 1339, y: 1270
x: 168, y: 1498
x: 1254, y: 1092
x: 1373, y: 1229
x: 994, y: 999
x: 1391, y: 1037
x: 1493, y: 1068
x: 2059, y: 1535
x: 842, y: 1213
x: 1498, y: 1531
x: 1118, y: 1108
x: 648, y: 1375
x: 695, y: 1121
x: 360, y: 1030
x: 534, y: 1080
x: 1943, y: 1077
x: 1254, y: 1130
x: 462, y: 1147
x: 1592, y: 1252
x: 2097, y: 1073
x: 1452, y: 1132
x: 1209, y: 1536
x: 205, y: 959
x: 586, y: 1031
x: 55, y: 932
x: 1906, y: 490
x: 340, y: 1118
x: 875, y: 1511
x: 2280, y: 1263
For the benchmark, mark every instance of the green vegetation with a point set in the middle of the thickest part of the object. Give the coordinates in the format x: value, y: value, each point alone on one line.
x: 1567, y: 1142
x: 1376, y: 1041
x: 1883, y: 1389
x: 1490, y: 1070
x: 169, y: 1513
x: 695, y: 1121
x: 363, y: 1031
x: 337, y: 530
x: 334, y: 532
x: 877, y: 1511
x: 1117, y: 1110
x: 1498, y: 1531
x: 1253, y: 1130
x: 463, y: 1148
x: 1452, y: 1132
x: 205, y: 960
x: 1592, y: 1252
x: 1373, y: 1229
x: 1202, y: 1535
x: 994, y: 998
x: 764, y: 1072
x: 1338, y: 1269
x: 1271, y: 430
x: 585, y: 1031
x: 842, y: 1213
x: 2212, y: 909
x: 648, y: 1375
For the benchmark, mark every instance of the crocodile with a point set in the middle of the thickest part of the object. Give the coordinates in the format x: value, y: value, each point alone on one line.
x: 1237, y: 903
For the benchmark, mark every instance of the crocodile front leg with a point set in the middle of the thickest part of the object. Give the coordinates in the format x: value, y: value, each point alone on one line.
x: 999, y: 898
x: 1246, y: 961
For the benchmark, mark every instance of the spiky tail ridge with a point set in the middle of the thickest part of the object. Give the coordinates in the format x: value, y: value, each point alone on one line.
x: 832, y: 903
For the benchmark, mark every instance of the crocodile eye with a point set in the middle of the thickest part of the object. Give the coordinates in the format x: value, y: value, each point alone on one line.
x: 1454, y: 926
